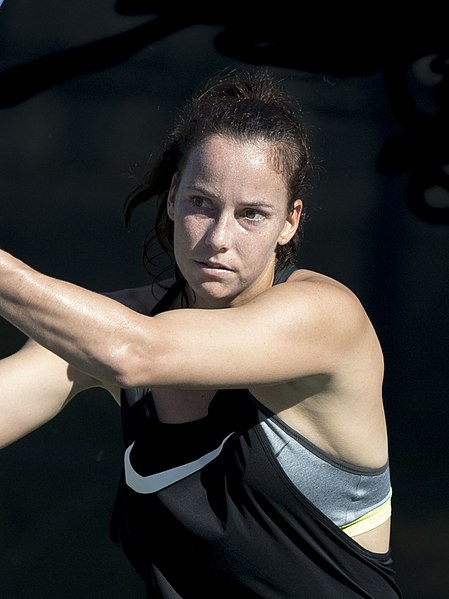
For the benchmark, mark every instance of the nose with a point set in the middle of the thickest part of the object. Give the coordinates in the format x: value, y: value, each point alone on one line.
x: 220, y: 233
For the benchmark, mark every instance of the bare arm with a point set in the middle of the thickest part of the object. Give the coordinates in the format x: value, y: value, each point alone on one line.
x: 292, y: 330
x: 35, y: 385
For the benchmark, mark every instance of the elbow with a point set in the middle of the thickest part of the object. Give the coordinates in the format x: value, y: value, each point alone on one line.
x: 132, y: 356
x: 128, y: 368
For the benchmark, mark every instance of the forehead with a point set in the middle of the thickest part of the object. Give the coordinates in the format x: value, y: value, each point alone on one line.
x: 216, y: 155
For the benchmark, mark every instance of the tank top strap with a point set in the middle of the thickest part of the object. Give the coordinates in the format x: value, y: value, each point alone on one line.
x: 281, y: 274
x: 164, y: 303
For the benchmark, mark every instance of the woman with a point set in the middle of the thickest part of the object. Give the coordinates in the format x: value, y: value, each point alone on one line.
x: 256, y: 451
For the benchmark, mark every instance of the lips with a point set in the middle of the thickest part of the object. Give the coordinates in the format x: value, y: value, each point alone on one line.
x: 212, y: 265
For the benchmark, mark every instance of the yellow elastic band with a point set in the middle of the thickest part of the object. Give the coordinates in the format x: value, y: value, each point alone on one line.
x: 369, y: 521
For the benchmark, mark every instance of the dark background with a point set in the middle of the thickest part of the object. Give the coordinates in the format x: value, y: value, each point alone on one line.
x: 88, y: 90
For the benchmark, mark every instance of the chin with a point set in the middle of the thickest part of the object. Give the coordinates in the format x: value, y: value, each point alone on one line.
x: 213, y: 295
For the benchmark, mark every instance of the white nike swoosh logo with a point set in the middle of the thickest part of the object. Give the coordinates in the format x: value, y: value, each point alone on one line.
x: 160, y: 480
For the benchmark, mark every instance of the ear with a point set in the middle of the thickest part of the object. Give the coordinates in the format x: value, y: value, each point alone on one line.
x: 171, y: 197
x: 291, y: 223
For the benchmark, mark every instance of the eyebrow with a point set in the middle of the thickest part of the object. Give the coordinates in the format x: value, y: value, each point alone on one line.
x: 258, y: 204
x: 211, y: 194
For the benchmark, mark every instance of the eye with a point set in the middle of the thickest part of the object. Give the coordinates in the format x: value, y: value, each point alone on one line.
x: 196, y: 205
x: 197, y: 202
x: 253, y: 215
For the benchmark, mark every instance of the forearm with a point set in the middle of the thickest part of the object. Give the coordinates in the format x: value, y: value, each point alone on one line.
x: 85, y: 328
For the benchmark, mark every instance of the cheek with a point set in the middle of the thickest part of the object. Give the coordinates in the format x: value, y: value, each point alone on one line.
x: 190, y: 228
x: 259, y: 245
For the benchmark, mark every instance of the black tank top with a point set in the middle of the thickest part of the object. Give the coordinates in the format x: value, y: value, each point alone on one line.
x: 204, y: 509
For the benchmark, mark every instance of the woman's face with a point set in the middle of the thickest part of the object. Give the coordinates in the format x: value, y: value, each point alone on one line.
x: 229, y: 207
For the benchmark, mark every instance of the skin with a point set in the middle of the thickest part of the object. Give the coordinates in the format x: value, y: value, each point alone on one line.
x: 318, y: 365
x: 225, y: 240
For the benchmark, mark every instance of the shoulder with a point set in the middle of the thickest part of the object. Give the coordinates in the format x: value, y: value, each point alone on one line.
x: 314, y: 293
x: 313, y: 281
x: 141, y: 299
x: 321, y: 308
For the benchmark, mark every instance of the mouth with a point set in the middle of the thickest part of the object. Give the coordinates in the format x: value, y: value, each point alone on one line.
x: 210, y: 265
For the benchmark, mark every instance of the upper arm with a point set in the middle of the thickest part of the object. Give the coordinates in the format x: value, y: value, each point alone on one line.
x: 35, y: 385
x: 288, y: 332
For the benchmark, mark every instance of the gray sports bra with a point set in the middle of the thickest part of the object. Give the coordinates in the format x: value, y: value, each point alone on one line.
x: 348, y: 495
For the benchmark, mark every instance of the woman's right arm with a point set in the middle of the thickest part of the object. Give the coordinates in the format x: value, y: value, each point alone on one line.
x: 35, y: 385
